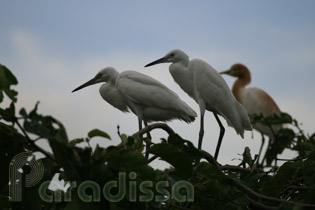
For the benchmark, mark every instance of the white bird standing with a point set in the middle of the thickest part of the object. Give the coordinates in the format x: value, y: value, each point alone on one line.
x: 207, y: 87
x: 146, y: 97
x: 255, y: 100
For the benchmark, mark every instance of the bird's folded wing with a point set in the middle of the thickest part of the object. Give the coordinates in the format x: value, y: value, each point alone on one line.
x: 144, y: 90
x: 212, y: 88
x: 258, y: 102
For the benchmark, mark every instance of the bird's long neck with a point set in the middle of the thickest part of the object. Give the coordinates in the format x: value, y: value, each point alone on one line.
x: 243, y: 80
x: 182, y: 77
x: 113, y: 77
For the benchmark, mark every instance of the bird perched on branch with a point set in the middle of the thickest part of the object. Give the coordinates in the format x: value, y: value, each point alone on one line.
x: 146, y: 97
x: 255, y: 100
x: 207, y: 87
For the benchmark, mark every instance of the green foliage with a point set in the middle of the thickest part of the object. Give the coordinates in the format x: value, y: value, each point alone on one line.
x: 6, y: 80
x: 214, y: 186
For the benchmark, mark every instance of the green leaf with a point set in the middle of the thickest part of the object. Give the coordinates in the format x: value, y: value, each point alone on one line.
x: 97, y: 132
x: 285, y: 173
x: 129, y: 161
x: 9, y: 79
x: 174, y: 156
x: 99, y: 154
x: 8, y: 134
x: 284, y: 139
x: 44, y: 126
x: 186, y: 146
x: 62, y: 154
x: 101, y: 174
x: 6, y: 80
x: 76, y: 141
x: 23, y: 112
x: 8, y: 114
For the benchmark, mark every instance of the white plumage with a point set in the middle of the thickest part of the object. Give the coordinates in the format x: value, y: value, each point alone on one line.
x: 146, y: 97
x: 207, y: 87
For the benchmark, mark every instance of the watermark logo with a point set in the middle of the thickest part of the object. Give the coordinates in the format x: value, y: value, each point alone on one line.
x: 25, y: 164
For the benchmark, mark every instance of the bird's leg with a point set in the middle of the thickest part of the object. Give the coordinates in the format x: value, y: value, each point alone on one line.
x: 140, y: 128
x: 148, y: 133
x: 261, y: 146
x: 222, y: 131
x: 268, y: 147
x: 148, y: 142
x: 201, y: 131
x: 276, y: 152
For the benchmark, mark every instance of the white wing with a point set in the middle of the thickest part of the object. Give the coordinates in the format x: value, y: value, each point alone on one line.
x: 212, y: 88
x: 148, y: 92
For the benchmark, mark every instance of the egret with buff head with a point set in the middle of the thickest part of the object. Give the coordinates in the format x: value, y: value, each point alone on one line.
x: 255, y: 100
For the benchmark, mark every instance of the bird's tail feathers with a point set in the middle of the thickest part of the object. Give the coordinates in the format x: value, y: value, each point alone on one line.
x: 244, y: 116
x: 243, y: 121
x: 188, y: 114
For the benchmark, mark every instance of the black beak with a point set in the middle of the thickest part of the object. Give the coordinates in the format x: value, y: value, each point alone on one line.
x: 226, y: 72
x: 88, y: 83
x: 161, y: 60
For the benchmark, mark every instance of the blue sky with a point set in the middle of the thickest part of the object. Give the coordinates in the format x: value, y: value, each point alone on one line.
x: 54, y: 46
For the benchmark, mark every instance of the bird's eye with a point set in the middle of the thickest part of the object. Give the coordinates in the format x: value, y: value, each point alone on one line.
x: 172, y: 55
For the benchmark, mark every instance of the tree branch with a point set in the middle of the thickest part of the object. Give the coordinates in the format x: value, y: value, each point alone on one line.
x: 210, y: 158
x: 32, y: 143
x: 258, y: 205
x: 267, y: 198
x: 150, y: 127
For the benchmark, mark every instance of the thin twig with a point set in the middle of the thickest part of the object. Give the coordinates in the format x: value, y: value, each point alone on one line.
x: 152, y: 158
x: 258, y: 205
x: 235, y: 168
x: 294, y: 159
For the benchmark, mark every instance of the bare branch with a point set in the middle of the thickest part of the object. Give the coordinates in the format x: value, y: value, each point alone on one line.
x: 264, y: 197
x: 150, y: 127
x: 258, y: 205
x: 210, y: 158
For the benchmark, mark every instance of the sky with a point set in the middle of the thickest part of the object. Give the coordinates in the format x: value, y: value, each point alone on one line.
x: 54, y: 46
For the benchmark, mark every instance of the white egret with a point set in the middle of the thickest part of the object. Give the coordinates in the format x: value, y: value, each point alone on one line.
x: 255, y: 100
x: 207, y: 87
x: 146, y: 97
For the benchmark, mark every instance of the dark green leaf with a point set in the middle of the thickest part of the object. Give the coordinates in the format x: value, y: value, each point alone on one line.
x: 99, y: 154
x: 62, y: 154
x: 8, y: 114
x: 129, y: 161
x: 171, y: 154
x: 76, y: 141
x: 23, y: 113
x: 44, y: 126
x: 97, y: 132
x: 6, y: 80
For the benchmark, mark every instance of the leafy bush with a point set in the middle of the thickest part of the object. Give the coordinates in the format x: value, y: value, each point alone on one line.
x: 194, y: 180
